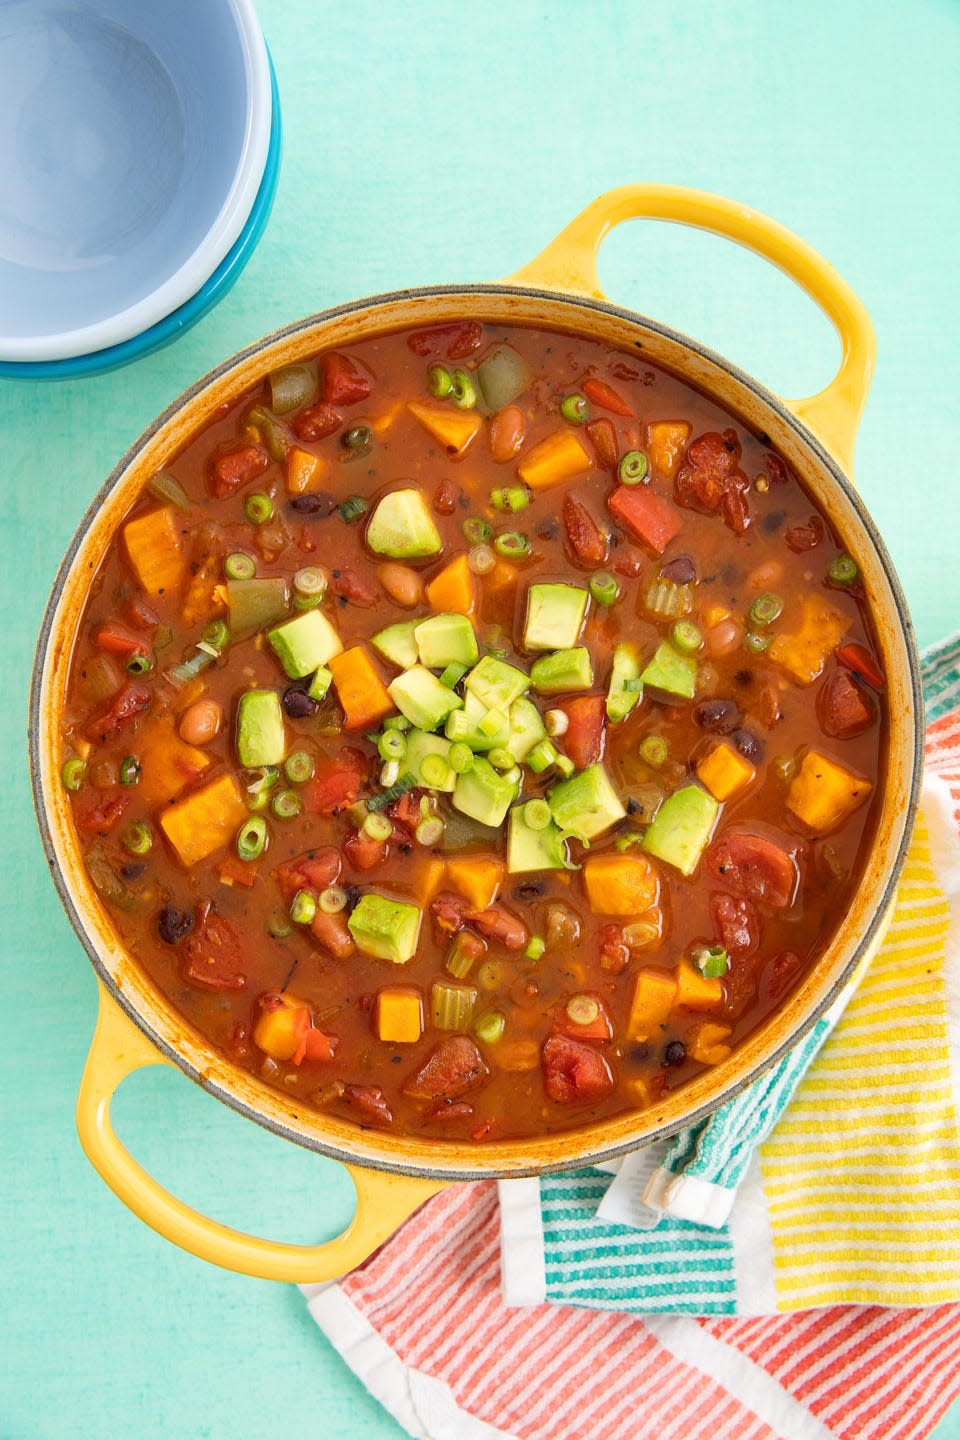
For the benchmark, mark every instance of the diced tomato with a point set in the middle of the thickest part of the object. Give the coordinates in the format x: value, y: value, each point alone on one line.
x: 406, y: 810
x: 584, y: 738
x: 213, y: 953
x: 342, y: 381
x: 449, y: 912
x: 363, y: 852
x: 337, y: 783
x: 140, y: 614
x: 614, y: 953
x: 237, y: 468
x: 366, y: 1104
x: 449, y: 1110
x: 604, y: 440
x: 499, y: 925
x: 454, y: 342
x: 710, y: 479
x: 599, y: 1029
x: 314, y: 871
x: 100, y: 818
x: 754, y: 867
x: 332, y: 933
x: 842, y: 708
x: 316, y: 422
x: 118, y: 640
x: 314, y: 1044
x: 453, y: 1068
x: 587, y: 540
x: 231, y: 871
x: 125, y: 706
x: 653, y: 520
x: 604, y: 395
x: 805, y: 537
x: 736, y: 923
x: 858, y: 659
x: 353, y: 587
x: 574, y: 1072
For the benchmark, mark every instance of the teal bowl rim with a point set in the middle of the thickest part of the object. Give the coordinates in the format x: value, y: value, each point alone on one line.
x: 187, y: 314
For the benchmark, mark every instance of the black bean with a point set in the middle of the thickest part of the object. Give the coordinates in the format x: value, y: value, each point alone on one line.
x: 773, y: 521
x: 530, y: 890
x: 133, y: 871
x: 174, y: 924
x: 321, y: 504
x: 721, y: 716
x: 675, y: 1053
x: 298, y: 704
x: 681, y: 570
x: 548, y: 530
x: 744, y: 678
x: 749, y: 745
x: 638, y: 1053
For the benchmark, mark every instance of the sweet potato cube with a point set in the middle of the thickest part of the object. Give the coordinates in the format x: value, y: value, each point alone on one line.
x: 454, y: 590
x: 399, y: 1015
x: 455, y: 430
x: 802, y: 652
x: 654, y: 997
x: 557, y: 458
x: 621, y: 884
x: 430, y: 879
x: 305, y: 471
x: 724, y: 772
x: 476, y: 880
x: 823, y: 794
x: 705, y: 1043
x: 696, y: 991
x: 665, y: 444
x: 167, y: 763
x: 205, y: 820
x: 155, y: 550
x: 280, y: 1025
x: 360, y: 690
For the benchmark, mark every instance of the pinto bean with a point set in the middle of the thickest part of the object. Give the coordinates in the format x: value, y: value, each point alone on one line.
x: 200, y: 722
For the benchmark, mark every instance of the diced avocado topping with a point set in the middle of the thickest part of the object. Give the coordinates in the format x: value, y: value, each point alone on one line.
x: 529, y: 849
x: 402, y: 527
x: 387, y: 929
x: 419, y: 695
x: 563, y: 670
x: 586, y: 804
x: 465, y: 725
x: 495, y: 683
x: 554, y: 616
x: 320, y: 683
x: 483, y: 794
x: 303, y: 644
x: 626, y: 666
x: 398, y: 644
x: 670, y: 673
x: 419, y: 746
x: 526, y: 728
x: 446, y: 640
x: 682, y: 827
x: 260, y: 734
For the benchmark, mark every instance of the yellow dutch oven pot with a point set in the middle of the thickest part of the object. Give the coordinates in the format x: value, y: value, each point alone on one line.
x: 395, y: 1174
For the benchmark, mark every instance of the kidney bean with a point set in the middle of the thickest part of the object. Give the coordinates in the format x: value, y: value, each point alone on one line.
x: 507, y: 429
x: 681, y: 570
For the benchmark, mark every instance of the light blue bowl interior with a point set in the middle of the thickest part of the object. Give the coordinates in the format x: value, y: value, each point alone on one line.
x: 122, y: 126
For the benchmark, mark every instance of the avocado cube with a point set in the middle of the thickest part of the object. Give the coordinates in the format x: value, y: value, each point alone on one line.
x: 387, y: 929
x: 495, y: 683
x: 402, y: 527
x: 305, y: 643
x: 682, y: 828
x: 586, y: 804
x: 554, y: 616
x: 260, y: 734
x: 529, y: 849
x: 418, y: 694
x: 670, y: 673
x: 621, y: 699
x: 526, y: 728
x: 398, y: 644
x: 465, y: 725
x: 483, y: 794
x: 419, y: 746
x: 563, y: 670
x: 446, y: 640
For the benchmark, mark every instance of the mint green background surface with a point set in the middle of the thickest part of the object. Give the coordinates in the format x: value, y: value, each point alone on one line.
x: 426, y: 143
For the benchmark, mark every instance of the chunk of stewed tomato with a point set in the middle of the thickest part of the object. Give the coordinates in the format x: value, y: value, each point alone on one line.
x: 315, y: 871
x: 754, y: 867
x: 583, y: 739
x: 842, y: 707
x: 213, y: 954
x: 574, y: 1072
x: 736, y: 923
x: 336, y: 783
x: 130, y: 702
x: 453, y: 1068
x: 586, y: 539
x: 342, y: 381
x: 236, y: 468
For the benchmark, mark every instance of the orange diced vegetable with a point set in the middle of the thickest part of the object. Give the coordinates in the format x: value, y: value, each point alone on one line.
x: 620, y: 884
x: 154, y: 547
x: 233, y: 871
x: 477, y: 880
x: 653, y: 999
x: 454, y: 429
x: 516, y: 1055
x: 360, y: 690
x: 167, y: 763
x: 305, y: 471
x: 429, y: 879
x: 500, y: 580
x: 383, y: 422
x: 202, y: 600
x: 803, y: 652
x: 696, y: 991
x: 705, y: 1043
x: 823, y: 794
x: 724, y: 771
x: 285, y: 1030
x: 665, y: 444
x: 399, y: 1015
x: 712, y: 615
x: 205, y: 820
x: 454, y: 590
x: 557, y: 458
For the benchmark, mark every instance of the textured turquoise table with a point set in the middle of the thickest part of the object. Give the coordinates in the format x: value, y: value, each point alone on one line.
x: 437, y: 142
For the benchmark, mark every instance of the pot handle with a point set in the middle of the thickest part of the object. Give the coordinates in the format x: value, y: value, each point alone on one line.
x: 384, y: 1200
x: 569, y: 264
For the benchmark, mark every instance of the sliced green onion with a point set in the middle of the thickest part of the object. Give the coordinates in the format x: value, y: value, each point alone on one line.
x: 73, y: 772
x: 766, y: 608
x: 273, y: 433
x: 460, y: 758
x: 311, y: 580
x: 575, y: 408
x: 755, y: 643
x: 358, y: 437
x: 239, y: 566
x: 129, y: 770
x: 430, y: 831
x: 475, y: 530
x: 439, y: 381
x: 535, y: 947
x: 512, y: 545
x: 303, y: 907
x: 278, y: 925
x: 785, y: 767
x: 299, y: 767
x: 332, y: 900
x: 463, y: 392
x: 137, y: 838
x: 451, y: 1006
x: 641, y: 934
x: 489, y: 1027
x: 604, y: 588
x: 711, y: 960
x: 286, y: 804
x: 582, y: 1009
x: 557, y: 722
x: 377, y: 827
x: 352, y: 508
x: 843, y: 570
x: 626, y: 842
x: 434, y: 770
x: 139, y: 664
x: 264, y: 780
x: 542, y: 756
x: 258, y: 508
x: 564, y: 764
x: 252, y: 838
x: 512, y: 497
x: 165, y: 487
x: 291, y: 387
x: 389, y: 772
x: 500, y: 758
x: 536, y: 814
x: 654, y: 751
x: 391, y: 745
x: 188, y: 670
x: 217, y: 634
x: 306, y: 602
x: 452, y: 674
x: 394, y: 792
x: 686, y: 637
x: 632, y: 469
x: 397, y: 722
x: 481, y: 559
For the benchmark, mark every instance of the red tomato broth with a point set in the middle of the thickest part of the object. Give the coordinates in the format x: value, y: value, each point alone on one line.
x: 779, y: 719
